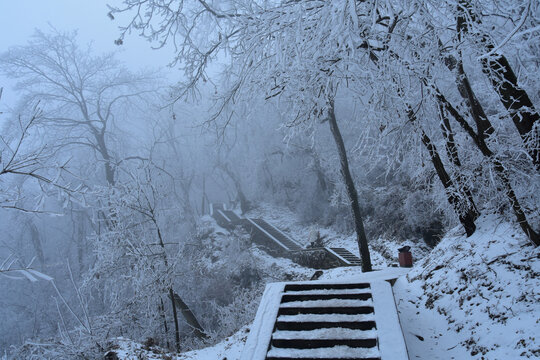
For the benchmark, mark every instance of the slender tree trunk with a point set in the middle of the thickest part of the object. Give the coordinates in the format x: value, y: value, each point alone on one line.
x: 518, y: 210
x: 189, y: 212
x: 166, y: 263
x: 321, y: 177
x: 177, y: 301
x: 165, y: 325
x: 504, y: 82
x: 500, y: 170
x: 463, y: 209
x: 102, y: 147
x: 81, y: 240
x: 245, y: 205
x: 351, y: 190
x: 483, y: 124
x: 175, y: 318
x: 517, y: 102
x: 453, y: 155
x: 203, y: 194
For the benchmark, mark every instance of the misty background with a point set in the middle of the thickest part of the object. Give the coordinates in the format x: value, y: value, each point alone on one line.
x: 110, y: 158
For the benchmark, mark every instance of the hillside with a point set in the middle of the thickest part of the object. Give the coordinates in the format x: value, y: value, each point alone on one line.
x: 473, y: 297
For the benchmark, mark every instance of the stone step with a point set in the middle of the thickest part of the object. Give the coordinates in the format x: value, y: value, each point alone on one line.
x: 326, y: 310
x: 221, y: 218
x: 332, y: 353
x: 333, y: 333
x: 322, y: 343
x: 330, y: 291
x: 346, y: 255
x: 327, y: 318
x: 312, y: 325
x: 277, y: 234
x: 315, y: 286
x: 231, y: 215
x: 305, y: 297
x: 327, y: 303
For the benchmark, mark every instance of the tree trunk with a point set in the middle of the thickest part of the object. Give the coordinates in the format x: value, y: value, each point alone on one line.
x: 484, y: 127
x: 317, y: 168
x: 203, y: 194
x: 467, y: 216
x: 351, y: 190
x: 500, y: 170
x: 81, y: 240
x: 177, y: 301
x: 245, y: 205
x: 518, y: 211
x: 189, y: 212
x: 454, y: 194
x: 109, y: 169
x: 165, y: 326
x: 175, y: 318
x: 453, y: 155
x: 517, y: 102
x: 504, y: 82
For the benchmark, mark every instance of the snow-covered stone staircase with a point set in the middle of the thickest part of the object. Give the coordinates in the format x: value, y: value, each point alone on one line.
x: 345, y: 256
x: 314, y: 319
x: 276, y: 242
x: 275, y: 235
x: 317, y: 320
x: 232, y: 216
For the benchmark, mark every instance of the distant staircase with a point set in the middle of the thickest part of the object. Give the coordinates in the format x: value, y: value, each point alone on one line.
x: 275, y: 235
x: 345, y: 256
x: 331, y: 321
x: 231, y: 215
x: 225, y: 218
x: 277, y: 243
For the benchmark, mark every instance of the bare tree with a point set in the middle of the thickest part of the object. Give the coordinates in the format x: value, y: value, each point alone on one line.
x: 351, y: 189
x: 80, y: 93
x: 23, y: 155
x: 290, y: 65
x: 502, y: 76
x: 139, y: 243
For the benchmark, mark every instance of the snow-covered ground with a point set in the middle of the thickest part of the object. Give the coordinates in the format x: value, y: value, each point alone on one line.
x: 469, y: 298
x: 474, y: 298
x: 229, y: 348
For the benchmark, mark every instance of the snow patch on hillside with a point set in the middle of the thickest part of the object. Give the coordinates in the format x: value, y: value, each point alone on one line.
x: 475, y: 297
x: 229, y: 348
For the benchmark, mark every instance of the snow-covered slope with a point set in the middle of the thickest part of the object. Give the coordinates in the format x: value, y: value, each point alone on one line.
x: 474, y: 298
x: 230, y: 348
x: 470, y: 298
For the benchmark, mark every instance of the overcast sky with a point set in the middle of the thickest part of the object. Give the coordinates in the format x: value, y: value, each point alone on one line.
x: 19, y: 18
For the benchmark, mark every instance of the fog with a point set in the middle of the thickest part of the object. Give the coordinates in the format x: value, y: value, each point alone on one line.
x: 114, y: 145
x: 19, y: 20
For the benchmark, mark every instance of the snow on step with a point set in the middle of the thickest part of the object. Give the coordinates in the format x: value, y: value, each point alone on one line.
x: 331, y: 326
x: 326, y: 318
x: 330, y: 292
x: 326, y: 303
x: 325, y: 334
x: 335, y: 352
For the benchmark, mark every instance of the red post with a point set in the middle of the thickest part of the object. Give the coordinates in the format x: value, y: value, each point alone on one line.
x: 405, y: 259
